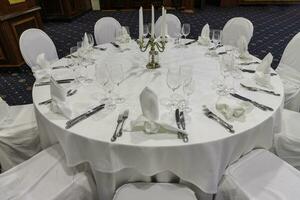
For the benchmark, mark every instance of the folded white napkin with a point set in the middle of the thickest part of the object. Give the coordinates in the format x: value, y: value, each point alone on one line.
x: 262, y: 74
x: 243, y: 48
x: 231, y: 109
x: 149, y: 120
x: 124, y: 37
x: 204, y: 39
x: 42, y: 70
x: 59, y: 102
x: 4, y: 112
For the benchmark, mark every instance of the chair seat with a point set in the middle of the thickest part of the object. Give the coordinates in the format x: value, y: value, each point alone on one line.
x: 19, y: 139
x: 287, y: 143
x: 46, y: 176
x: 260, y: 175
x: 154, y: 191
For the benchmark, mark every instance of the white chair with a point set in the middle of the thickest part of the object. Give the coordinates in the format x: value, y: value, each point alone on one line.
x: 19, y: 138
x: 260, y: 175
x: 46, y: 176
x: 235, y: 28
x: 287, y: 143
x: 106, y: 30
x: 289, y: 71
x: 154, y: 191
x: 34, y: 42
x: 173, y: 26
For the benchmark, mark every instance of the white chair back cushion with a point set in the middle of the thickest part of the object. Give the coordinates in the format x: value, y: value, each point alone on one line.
x: 34, y: 42
x: 235, y: 28
x: 287, y: 143
x: 289, y: 71
x: 260, y: 175
x: 106, y: 30
x: 173, y: 26
x: 19, y: 140
x: 150, y: 191
x: 46, y: 176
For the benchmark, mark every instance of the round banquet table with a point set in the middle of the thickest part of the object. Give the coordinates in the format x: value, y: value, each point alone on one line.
x: 137, y: 156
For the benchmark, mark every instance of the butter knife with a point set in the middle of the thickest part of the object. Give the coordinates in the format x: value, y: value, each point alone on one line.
x: 256, y: 104
x: 84, y: 116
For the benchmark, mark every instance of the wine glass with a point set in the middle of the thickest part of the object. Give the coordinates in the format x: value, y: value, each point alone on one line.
x: 173, y: 82
x: 186, y: 73
x: 216, y: 37
x: 75, y: 64
x: 145, y: 30
x: 91, y: 40
x: 117, y: 76
x: 186, y: 29
x: 188, y: 90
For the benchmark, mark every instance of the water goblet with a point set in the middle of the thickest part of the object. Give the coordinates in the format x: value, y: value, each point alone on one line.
x: 185, y: 30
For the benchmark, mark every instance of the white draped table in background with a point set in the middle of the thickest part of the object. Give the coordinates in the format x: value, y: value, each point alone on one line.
x: 138, y: 156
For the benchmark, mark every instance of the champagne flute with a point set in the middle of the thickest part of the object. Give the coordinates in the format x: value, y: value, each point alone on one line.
x: 173, y: 82
x: 188, y: 89
x: 216, y: 38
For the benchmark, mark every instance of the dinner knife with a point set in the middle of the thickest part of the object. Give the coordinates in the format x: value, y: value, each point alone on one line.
x: 182, y: 121
x: 62, y: 81
x: 253, y: 71
x: 84, y: 116
x: 115, y: 45
x: 256, y: 104
x: 190, y: 42
x: 250, y: 63
x: 259, y: 89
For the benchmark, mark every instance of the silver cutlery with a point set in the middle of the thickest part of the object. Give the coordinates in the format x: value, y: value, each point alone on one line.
x: 125, y: 116
x: 182, y: 122
x: 71, y: 92
x: 222, y: 53
x: 191, y: 42
x: 119, y: 121
x: 255, y: 89
x: 178, y: 123
x: 84, y: 116
x: 253, y: 71
x: 256, y: 104
x: 63, y: 81
x: 250, y: 63
x: 213, y: 116
x: 216, y: 47
x: 100, y: 48
x: 45, y: 102
x: 60, y: 67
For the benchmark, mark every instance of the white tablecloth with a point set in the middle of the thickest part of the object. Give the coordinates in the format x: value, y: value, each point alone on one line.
x: 201, y: 161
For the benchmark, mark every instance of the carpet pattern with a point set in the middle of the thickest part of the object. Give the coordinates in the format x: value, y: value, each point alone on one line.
x: 274, y: 27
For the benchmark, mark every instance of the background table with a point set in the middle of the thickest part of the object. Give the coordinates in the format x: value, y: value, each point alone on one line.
x: 138, y: 156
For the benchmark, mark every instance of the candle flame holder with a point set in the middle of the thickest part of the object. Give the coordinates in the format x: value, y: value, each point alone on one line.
x: 155, y: 47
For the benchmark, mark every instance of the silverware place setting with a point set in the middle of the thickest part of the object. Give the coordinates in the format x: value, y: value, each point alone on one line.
x: 256, y: 104
x: 124, y: 117
x: 84, y: 116
x: 191, y: 42
x: 255, y: 89
x: 119, y: 121
x: 218, y: 119
x: 180, y: 122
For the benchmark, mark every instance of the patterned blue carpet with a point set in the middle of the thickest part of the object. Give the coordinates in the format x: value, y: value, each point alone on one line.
x: 274, y: 27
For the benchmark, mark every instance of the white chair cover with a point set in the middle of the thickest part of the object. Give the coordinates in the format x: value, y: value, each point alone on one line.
x: 19, y: 140
x: 235, y: 28
x: 289, y: 71
x: 34, y: 42
x: 106, y: 30
x: 287, y: 143
x: 154, y: 191
x: 260, y: 175
x: 173, y: 24
x: 46, y: 176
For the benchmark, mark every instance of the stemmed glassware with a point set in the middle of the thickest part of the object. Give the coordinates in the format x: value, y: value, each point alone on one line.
x: 104, y: 80
x: 145, y: 30
x: 185, y: 30
x: 173, y: 82
x: 117, y: 76
x: 77, y: 69
x: 188, y: 90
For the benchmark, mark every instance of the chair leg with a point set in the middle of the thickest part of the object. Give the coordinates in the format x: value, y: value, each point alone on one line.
x: 214, y: 196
